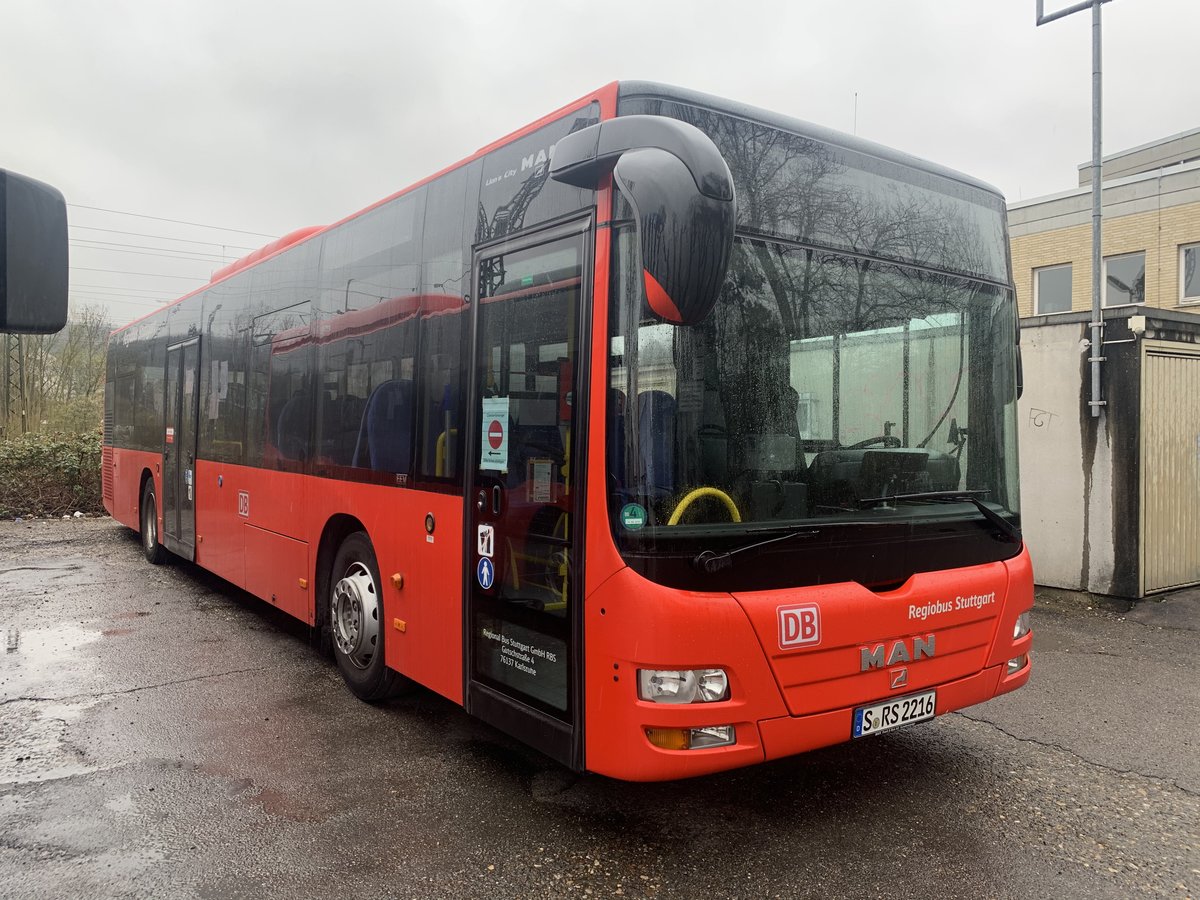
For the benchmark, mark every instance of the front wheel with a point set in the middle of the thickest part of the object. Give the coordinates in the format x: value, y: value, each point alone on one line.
x: 154, y: 551
x: 356, y: 621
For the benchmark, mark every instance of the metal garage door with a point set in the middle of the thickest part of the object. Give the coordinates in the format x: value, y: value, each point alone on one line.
x: 1170, y: 456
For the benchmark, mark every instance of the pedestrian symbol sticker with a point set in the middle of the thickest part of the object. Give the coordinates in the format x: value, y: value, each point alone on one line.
x: 486, y: 573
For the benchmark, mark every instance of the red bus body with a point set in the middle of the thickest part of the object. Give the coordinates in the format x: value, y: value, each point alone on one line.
x: 267, y: 530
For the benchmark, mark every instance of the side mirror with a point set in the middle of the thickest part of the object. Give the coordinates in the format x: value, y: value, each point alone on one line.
x: 682, y: 196
x: 33, y: 256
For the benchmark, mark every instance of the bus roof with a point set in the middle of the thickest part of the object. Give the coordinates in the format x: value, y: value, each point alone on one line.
x: 607, y: 95
x: 630, y: 89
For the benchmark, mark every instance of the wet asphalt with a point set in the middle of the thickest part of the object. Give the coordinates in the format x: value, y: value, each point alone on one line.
x: 163, y: 734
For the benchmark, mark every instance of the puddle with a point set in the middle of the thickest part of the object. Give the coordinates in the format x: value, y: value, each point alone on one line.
x: 46, y: 662
x: 35, y: 747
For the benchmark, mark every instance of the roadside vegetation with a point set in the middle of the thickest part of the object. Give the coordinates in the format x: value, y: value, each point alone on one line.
x: 51, y: 415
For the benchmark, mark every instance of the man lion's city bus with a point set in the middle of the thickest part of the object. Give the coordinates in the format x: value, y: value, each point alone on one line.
x: 667, y: 435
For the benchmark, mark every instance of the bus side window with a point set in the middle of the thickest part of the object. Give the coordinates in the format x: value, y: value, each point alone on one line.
x: 438, y: 406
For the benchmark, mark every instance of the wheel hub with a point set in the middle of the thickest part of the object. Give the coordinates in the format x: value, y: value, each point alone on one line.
x: 355, y: 616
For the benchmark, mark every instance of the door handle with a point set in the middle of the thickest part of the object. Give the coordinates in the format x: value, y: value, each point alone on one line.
x: 496, y: 500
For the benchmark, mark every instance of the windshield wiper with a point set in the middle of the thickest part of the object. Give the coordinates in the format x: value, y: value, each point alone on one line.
x: 710, y: 562
x: 1009, y: 530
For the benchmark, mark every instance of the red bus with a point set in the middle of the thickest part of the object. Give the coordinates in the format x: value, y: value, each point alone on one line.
x: 666, y: 434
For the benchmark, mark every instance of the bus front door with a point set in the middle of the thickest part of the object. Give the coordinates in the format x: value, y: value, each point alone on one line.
x: 179, y: 449
x: 523, y: 558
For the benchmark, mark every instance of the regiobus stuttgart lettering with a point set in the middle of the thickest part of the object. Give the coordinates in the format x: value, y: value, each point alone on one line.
x: 939, y: 607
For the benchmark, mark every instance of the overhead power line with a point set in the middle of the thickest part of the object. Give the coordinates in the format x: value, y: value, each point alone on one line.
x: 159, y: 237
x: 105, y: 301
x: 161, y: 299
x: 119, y: 212
x: 194, y: 256
x: 117, y: 287
x: 146, y: 274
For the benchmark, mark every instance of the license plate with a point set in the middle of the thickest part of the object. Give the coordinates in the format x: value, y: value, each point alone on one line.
x: 889, y: 714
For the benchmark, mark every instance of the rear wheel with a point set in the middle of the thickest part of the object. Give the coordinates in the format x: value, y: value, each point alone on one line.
x: 356, y: 621
x: 154, y: 551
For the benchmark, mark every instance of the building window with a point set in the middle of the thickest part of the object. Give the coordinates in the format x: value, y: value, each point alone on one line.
x: 1125, y: 279
x: 1052, y: 290
x: 1189, y: 273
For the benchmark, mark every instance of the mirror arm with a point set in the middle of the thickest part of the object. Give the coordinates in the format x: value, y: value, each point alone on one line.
x: 584, y: 157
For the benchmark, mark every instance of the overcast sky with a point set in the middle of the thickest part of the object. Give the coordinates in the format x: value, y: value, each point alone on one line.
x: 265, y: 117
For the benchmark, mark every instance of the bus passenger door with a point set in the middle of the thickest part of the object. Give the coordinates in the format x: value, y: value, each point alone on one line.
x: 523, y: 621
x: 179, y: 449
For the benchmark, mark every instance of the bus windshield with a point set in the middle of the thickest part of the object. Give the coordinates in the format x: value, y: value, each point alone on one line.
x: 822, y: 381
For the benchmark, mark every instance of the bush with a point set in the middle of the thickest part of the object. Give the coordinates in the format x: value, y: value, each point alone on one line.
x: 50, y: 474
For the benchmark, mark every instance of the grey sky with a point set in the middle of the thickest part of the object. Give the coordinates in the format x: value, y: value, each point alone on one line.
x: 269, y: 116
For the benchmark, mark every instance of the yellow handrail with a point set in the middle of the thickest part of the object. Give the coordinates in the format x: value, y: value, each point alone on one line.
x: 704, y: 492
x: 439, y: 454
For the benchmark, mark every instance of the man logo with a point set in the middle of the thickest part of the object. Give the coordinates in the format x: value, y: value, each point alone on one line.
x: 799, y: 625
x: 899, y: 678
x: 900, y: 652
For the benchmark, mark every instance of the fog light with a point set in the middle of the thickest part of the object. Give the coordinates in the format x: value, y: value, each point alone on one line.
x: 683, y: 685
x: 1022, y: 627
x: 712, y: 736
x: 1017, y: 663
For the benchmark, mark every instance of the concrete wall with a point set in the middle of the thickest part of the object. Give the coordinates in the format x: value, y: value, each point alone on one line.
x: 1080, y: 475
x: 1057, y: 513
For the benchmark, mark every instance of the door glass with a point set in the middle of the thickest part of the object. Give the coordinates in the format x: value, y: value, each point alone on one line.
x: 171, y: 445
x: 523, y: 479
x: 186, y: 438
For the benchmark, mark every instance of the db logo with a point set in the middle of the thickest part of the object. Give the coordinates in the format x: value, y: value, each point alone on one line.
x: 799, y: 625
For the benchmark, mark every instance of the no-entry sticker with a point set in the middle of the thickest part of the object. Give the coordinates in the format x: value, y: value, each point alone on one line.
x: 493, y: 449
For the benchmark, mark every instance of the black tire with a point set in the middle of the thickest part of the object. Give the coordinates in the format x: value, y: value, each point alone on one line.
x: 151, y: 546
x: 358, y: 640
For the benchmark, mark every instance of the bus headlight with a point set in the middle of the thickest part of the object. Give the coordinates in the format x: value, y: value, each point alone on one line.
x: 1022, y: 627
x: 683, y: 685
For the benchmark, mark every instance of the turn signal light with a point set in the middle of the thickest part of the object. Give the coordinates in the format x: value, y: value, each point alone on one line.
x: 668, y: 738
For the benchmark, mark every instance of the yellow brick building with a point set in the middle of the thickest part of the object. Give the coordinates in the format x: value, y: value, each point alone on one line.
x: 1151, y: 243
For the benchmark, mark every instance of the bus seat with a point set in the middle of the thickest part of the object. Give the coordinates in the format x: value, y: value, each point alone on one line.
x: 385, y: 438
x: 656, y: 441
x: 292, y: 426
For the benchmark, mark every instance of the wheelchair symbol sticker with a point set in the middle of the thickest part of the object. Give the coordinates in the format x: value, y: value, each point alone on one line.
x: 486, y: 573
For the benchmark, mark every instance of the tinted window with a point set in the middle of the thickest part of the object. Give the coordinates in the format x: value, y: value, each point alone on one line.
x: 373, y: 257
x: 279, y: 394
x: 366, y: 341
x: 517, y: 192
x: 799, y: 188
x: 453, y: 202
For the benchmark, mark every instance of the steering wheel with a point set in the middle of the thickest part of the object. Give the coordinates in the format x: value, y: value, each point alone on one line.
x: 695, y: 495
x: 885, y: 440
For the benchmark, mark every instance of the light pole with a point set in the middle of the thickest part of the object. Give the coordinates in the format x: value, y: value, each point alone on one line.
x: 1097, y: 323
